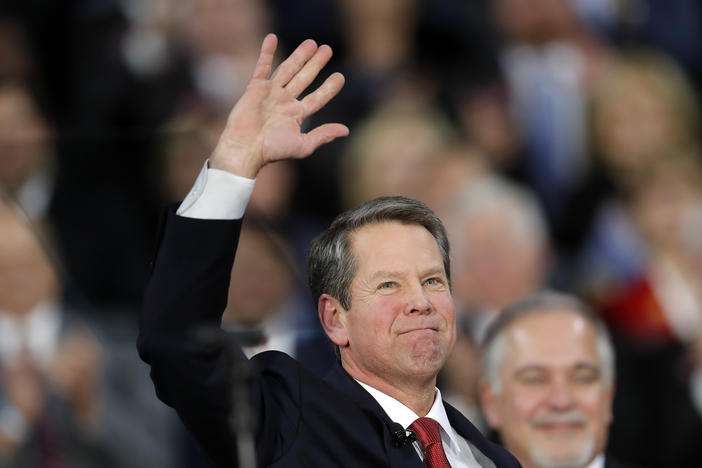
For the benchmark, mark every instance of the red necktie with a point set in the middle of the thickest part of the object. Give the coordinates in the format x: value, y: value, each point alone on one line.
x: 427, y: 432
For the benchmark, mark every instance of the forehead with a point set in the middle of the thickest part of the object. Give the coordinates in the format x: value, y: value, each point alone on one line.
x: 391, y: 243
x: 553, y: 338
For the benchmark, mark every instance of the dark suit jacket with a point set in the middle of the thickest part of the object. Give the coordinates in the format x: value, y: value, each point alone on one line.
x: 303, y: 420
x: 611, y: 462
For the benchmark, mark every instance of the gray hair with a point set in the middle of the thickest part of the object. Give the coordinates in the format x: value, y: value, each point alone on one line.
x: 494, y: 343
x: 331, y: 262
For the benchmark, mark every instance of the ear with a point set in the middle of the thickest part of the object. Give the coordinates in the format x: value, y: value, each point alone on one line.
x: 333, y: 319
x: 489, y: 402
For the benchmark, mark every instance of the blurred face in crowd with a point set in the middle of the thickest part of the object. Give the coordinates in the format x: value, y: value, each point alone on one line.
x: 534, y: 21
x: 551, y: 405
x: 643, y: 108
x: 496, y: 262
x: 26, y: 277
x: 23, y: 137
x: 261, y: 281
x: 667, y: 207
x: 394, y: 156
x: 401, y: 323
x: 275, y: 184
x: 224, y: 26
x: 189, y: 137
x: 485, y: 119
x: 635, y: 126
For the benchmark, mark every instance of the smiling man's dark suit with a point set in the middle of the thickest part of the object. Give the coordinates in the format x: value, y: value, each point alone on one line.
x: 304, y: 420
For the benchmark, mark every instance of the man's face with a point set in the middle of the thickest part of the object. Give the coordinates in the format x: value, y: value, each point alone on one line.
x: 497, y: 263
x: 401, y: 323
x: 554, y: 408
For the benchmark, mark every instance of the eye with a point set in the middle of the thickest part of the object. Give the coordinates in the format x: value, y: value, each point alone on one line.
x: 387, y: 285
x: 532, y: 378
x: 435, y: 281
x: 586, y: 376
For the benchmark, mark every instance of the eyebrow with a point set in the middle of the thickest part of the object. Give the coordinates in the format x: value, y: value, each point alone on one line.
x: 529, y: 368
x: 588, y: 366
x: 537, y: 367
x: 435, y: 270
x: 386, y: 274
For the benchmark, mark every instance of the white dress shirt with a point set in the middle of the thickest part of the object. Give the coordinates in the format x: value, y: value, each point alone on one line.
x: 37, y: 333
x: 597, y: 462
x: 456, y: 447
x: 217, y: 194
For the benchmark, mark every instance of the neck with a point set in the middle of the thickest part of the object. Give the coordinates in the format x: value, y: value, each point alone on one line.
x: 415, y: 393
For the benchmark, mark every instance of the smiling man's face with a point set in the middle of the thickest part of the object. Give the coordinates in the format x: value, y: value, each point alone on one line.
x: 553, y: 407
x: 401, y: 323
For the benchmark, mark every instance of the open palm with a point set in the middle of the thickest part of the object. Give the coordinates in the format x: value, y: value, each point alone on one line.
x: 264, y: 125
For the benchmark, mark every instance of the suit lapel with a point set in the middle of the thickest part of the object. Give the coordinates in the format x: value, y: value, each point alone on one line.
x: 405, y: 457
x: 484, y: 452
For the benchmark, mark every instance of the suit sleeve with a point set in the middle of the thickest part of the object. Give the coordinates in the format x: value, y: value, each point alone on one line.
x: 188, y: 290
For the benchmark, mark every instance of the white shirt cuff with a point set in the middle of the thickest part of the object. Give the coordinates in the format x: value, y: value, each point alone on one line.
x: 217, y: 194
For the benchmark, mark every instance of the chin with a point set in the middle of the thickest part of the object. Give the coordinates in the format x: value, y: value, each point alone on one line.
x: 428, y: 366
x: 576, y: 454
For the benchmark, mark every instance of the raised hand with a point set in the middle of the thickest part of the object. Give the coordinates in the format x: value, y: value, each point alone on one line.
x: 264, y: 125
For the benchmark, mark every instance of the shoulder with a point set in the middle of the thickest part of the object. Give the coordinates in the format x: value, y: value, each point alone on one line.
x: 611, y: 462
x: 496, y: 453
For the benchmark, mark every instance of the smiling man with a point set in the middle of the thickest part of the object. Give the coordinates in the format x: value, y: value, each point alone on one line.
x: 380, y: 276
x: 548, y: 382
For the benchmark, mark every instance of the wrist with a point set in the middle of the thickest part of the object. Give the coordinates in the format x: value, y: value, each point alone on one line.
x: 242, y: 165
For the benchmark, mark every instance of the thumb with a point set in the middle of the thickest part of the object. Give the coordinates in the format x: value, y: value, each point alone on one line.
x: 321, y: 135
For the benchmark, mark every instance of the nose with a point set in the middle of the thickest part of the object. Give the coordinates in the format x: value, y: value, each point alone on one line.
x: 560, y: 394
x: 418, y: 302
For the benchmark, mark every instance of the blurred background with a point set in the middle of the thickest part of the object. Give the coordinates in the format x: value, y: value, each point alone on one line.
x: 557, y: 139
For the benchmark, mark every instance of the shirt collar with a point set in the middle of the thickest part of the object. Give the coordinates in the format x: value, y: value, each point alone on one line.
x: 37, y: 331
x: 597, y: 462
x: 400, y: 413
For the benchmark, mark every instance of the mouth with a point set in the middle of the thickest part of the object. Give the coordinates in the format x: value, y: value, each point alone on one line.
x: 420, y: 330
x: 560, y: 427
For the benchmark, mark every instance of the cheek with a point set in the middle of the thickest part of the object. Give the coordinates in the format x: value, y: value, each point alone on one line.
x: 596, y: 403
x: 525, y: 404
x: 443, y: 303
x: 379, y: 316
x: 388, y: 308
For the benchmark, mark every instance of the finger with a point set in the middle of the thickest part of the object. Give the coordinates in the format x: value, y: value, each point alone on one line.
x: 322, y: 135
x: 322, y: 95
x: 295, y: 62
x: 265, y: 58
x: 310, y: 70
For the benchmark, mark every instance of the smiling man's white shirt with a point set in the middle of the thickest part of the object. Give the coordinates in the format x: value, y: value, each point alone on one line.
x: 597, y: 462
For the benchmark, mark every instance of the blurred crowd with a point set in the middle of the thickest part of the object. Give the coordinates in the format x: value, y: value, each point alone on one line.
x: 557, y: 139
